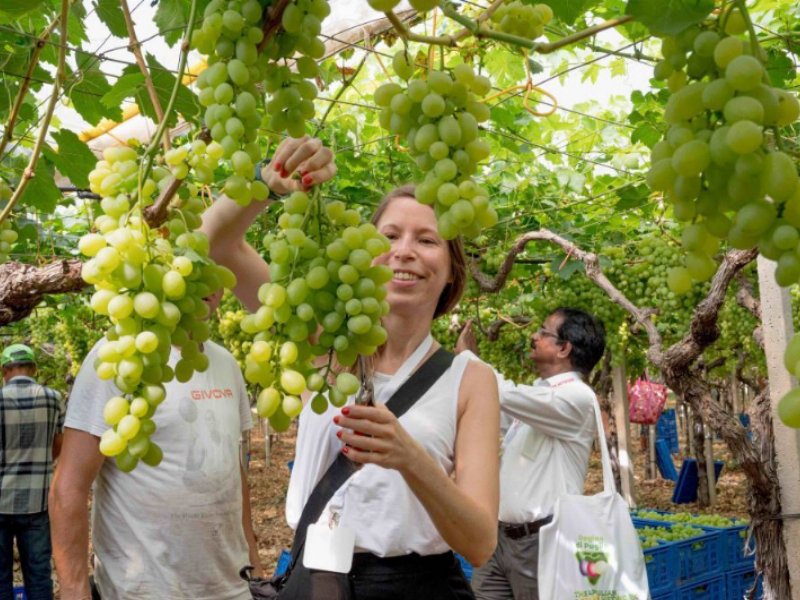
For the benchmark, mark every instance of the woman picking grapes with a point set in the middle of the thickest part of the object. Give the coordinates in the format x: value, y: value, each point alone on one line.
x: 428, y: 480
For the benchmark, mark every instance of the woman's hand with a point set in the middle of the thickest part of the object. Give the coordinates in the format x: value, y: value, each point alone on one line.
x: 307, y: 157
x: 466, y: 339
x: 373, y: 434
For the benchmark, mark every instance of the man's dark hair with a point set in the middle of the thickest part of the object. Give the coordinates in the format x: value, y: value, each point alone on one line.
x: 587, y: 335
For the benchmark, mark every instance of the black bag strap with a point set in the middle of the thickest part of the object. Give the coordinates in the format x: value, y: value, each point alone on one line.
x: 342, y: 468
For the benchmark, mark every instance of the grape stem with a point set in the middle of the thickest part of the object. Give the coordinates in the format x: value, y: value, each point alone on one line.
x: 346, y: 83
x: 751, y: 30
x: 26, y: 82
x: 162, y: 126
x: 136, y: 48
x: 273, y: 22
x: 30, y: 170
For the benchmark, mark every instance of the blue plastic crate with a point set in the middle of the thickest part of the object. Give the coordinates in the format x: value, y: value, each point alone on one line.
x: 735, y: 554
x: 284, y: 560
x: 664, y: 461
x: 661, y: 564
x: 686, y: 560
x: 686, y: 488
x: 739, y: 582
x: 465, y: 566
x: 670, y: 595
x: 712, y: 588
x: 19, y: 593
x: 700, y: 556
x: 667, y: 430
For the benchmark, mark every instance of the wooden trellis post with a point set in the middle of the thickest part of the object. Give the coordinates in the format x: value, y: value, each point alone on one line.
x: 620, y: 395
x: 776, y: 322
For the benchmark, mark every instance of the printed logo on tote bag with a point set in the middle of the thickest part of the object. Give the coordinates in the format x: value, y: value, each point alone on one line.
x: 592, y: 559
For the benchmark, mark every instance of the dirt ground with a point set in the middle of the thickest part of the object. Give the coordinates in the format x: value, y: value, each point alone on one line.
x: 269, y: 478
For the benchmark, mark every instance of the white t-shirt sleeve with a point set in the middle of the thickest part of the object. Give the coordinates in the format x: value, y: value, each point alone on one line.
x: 245, y: 413
x: 88, y: 397
x: 560, y: 412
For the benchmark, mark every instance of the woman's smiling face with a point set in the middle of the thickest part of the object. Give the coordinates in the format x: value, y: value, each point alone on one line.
x: 419, y: 256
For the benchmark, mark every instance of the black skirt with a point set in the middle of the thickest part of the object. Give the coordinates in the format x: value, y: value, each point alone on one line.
x: 409, y: 577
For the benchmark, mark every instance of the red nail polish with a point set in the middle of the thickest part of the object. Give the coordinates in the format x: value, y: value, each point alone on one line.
x: 308, y: 180
x: 336, y: 420
x: 345, y: 449
x: 346, y: 410
x: 304, y: 173
x: 276, y: 166
x: 338, y: 434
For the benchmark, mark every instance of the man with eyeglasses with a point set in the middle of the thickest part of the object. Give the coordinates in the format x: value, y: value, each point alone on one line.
x: 546, y: 447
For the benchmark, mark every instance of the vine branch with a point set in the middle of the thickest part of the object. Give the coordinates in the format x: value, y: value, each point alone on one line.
x: 23, y: 286
x: 30, y: 170
x: 136, y: 49
x: 23, y: 88
x: 273, y: 21
x: 479, y: 29
x: 593, y: 272
x: 162, y: 126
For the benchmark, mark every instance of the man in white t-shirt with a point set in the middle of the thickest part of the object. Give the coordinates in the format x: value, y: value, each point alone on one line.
x: 181, y: 530
x: 551, y: 428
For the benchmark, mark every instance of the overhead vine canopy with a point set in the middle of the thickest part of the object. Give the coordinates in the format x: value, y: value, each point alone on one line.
x: 472, y: 101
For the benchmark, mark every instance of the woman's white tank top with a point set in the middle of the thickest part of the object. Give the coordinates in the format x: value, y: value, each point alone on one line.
x: 376, y: 502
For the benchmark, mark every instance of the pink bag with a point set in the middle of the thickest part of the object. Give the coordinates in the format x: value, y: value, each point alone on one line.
x: 646, y: 400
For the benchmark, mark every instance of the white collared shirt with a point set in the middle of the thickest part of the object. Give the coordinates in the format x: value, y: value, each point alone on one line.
x: 546, y: 449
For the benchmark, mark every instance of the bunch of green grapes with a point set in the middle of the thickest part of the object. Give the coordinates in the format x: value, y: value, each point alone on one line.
x: 326, y: 288
x: 151, y: 289
x: 292, y: 93
x: 7, y: 234
x: 7, y: 238
x: 714, y: 163
x: 230, y: 35
x: 387, y: 5
x: 439, y: 117
x: 789, y: 405
x: 523, y: 20
x: 232, y: 336
x: 655, y: 536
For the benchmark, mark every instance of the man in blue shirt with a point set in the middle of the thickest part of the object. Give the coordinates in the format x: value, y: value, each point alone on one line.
x: 31, y: 421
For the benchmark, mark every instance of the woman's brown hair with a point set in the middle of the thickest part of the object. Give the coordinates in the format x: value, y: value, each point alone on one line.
x: 452, y: 292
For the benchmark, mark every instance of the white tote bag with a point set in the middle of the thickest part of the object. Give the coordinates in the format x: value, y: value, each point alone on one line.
x: 591, y: 550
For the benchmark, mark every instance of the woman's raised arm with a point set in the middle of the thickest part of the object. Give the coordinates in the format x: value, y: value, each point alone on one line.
x: 226, y: 222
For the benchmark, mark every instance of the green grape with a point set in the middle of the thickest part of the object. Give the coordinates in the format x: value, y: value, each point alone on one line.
x: 679, y: 280
x: 744, y: 137
x: 744, y: 73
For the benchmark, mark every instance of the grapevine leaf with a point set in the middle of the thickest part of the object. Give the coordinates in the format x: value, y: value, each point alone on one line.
x: 124, y: 87
x: 671, y: 16
x: 110, y: 14
x: 505, y: 68
x: 780, y: 68
x: 42, y: 193
x: 632, y: 197
x: 646, y: 134
x: 11, y: 10
x: 170, y: 20
x: 569, y: 10
x: 74, y: 160
x: 568, y: 269
x: 163, y: 82
x: 76, y: 30
x: 91, y: 85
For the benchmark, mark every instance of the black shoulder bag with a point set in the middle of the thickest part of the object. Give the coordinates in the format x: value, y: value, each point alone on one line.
x: 336, y: 475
